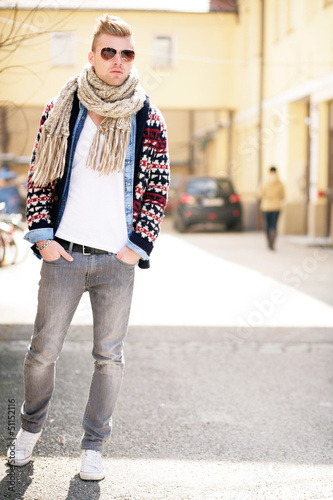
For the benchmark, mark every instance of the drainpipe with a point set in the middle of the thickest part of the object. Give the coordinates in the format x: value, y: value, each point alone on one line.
x: 191, y: 146
x: 230, y: 143
x: 261, y: 98
x: 261, y: 86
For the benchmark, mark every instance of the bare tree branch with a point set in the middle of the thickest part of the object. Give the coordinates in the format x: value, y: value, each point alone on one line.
x: 15, y: 33
x: 12, y: 26
x: 15, y: 38
x: 21, y: 67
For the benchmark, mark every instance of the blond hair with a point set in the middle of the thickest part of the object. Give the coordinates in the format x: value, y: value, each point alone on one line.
x: 110, y: 25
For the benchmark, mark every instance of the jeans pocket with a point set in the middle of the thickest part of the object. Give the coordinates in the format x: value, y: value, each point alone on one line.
x: 54, y: 261
x: 122, y: 262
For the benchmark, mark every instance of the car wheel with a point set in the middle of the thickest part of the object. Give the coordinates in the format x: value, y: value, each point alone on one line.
x: 235, y: 226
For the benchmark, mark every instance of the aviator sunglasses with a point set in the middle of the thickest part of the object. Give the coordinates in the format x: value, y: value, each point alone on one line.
x: 108, y: 53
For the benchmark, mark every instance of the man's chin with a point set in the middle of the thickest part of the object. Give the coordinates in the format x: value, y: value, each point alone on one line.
x: 116, y: 80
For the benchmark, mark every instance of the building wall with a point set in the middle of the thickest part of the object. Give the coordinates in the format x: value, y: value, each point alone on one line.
x: 200, y: 77
x: 296, y: 171
x: 298, y: 83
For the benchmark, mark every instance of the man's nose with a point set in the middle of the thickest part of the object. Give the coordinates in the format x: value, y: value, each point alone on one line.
x: 117, y: 58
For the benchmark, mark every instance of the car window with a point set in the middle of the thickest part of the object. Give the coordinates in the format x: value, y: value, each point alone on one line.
x: 208, y: 187
x: 224, y: 186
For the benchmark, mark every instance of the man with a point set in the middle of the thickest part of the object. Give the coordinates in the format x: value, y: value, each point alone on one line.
x: 271, y: 196
x: 97, y: 190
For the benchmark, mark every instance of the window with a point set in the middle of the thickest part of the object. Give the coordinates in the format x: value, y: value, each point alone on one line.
x: 62, y: 48
x: 209, y: 187
x: 163, y: 51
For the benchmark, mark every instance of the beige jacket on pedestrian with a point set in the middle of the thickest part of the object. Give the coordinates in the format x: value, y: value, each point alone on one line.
x: 271, y: 193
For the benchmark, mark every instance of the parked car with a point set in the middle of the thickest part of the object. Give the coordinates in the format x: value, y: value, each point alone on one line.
x: 209, y: 201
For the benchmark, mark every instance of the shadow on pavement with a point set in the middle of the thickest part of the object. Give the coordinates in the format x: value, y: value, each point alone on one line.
x: 16, y: 481
x: 23, y: 477
x: 86, y: 489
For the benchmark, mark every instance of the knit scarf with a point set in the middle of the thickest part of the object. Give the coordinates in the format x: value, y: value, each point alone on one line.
x: 115, y: 103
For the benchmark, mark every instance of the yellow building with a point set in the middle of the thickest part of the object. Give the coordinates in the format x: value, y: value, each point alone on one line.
x: 241, y: 87
x: 288, y: 107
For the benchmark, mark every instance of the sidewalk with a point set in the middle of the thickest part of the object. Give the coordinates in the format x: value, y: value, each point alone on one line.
x: 212, y: 279
x: 211, y: 408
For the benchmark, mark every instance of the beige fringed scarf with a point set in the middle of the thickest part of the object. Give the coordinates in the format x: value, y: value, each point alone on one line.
x: 115, y: 103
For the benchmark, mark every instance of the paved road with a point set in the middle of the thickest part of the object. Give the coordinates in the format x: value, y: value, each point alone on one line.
x: 228, y: 392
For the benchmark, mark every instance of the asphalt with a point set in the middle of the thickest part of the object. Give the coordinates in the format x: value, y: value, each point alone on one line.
x: 228, y: 389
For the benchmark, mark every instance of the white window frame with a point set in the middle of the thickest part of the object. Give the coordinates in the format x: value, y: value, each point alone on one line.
x: 63, y: 48
x: 156, y: 63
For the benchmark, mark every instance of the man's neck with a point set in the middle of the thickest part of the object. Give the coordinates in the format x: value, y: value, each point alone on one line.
x: 97, y: 119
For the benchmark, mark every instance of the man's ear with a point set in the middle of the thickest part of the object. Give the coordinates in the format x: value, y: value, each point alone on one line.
x: 91, y: 58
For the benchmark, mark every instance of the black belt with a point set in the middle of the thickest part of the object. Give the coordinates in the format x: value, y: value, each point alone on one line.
x: 80, y: 248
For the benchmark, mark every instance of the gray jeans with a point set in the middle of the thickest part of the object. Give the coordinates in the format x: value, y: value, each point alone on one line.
x: 109, y: 283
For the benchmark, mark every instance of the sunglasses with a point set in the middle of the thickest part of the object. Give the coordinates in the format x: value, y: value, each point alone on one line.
x: 109, y: 53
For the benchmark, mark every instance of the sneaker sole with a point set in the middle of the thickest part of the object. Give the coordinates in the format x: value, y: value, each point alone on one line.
x: 19, y: 463
x: 91, y: 477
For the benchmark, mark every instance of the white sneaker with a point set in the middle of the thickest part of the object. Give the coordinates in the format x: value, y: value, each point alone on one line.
x: 20, y: 451
x: 92, y: 468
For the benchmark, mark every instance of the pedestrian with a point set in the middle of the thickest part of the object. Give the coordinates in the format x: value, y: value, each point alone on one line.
x: 97, y: 190
x: 271, y: 196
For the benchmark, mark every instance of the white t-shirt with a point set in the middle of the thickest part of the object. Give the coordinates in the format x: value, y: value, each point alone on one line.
x: 95, y: 210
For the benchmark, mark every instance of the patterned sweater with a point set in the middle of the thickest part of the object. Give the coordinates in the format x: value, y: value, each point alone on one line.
x: 151, y: 180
